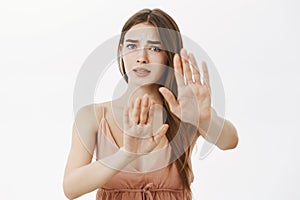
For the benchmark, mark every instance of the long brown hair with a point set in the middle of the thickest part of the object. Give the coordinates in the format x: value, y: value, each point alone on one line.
x: 172, y: 43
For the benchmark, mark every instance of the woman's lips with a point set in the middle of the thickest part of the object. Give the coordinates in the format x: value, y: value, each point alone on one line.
x: 141, y: 72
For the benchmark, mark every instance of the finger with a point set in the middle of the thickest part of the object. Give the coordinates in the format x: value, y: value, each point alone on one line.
x: 205, y: 74
x: 178, y: 70
x: 186, y: 66
x: 136, y: 111
x: 196, y: 71
x: 151, y: 113
x: 169, y: 96
x: 160, y: 133
x: 131, y: 106
x: 126, y: 118
x: 144, y: 109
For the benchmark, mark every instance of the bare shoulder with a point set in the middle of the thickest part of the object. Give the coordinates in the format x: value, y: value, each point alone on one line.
x: 93, y: 113
x: 89, y: 113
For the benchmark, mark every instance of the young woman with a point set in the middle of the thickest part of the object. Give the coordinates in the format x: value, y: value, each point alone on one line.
x: 143, y: 140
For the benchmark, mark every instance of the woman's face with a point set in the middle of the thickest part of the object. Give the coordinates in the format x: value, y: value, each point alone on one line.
x: 143, y: 54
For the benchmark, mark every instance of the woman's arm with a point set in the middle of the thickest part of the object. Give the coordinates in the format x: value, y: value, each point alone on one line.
x: 219, y: 131
x: 87, y: 178
x: 81, y: 176
x: 193, y: 96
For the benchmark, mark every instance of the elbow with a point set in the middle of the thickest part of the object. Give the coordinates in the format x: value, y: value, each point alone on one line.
x: 234, y: 140
x: 67, y: 190
x: 230, y: 142
x: 69, y: 196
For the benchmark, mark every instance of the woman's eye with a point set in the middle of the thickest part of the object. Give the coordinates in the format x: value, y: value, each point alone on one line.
x: 131, y: 46
x: 156, y: 49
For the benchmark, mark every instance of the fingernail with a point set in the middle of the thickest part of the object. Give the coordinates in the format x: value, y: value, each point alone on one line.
x: 184, y: 54
x: 182, y: 51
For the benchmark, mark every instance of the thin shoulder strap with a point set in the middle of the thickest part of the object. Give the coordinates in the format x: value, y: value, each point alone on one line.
x: 103, y: 111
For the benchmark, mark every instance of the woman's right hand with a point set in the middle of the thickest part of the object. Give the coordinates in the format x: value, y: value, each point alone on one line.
x: 140, y: 134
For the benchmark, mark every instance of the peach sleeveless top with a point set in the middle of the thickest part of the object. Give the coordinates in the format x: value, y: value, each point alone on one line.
x: 161, y: 182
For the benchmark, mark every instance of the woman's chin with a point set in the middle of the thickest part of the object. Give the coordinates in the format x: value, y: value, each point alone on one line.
x: 143, y: 82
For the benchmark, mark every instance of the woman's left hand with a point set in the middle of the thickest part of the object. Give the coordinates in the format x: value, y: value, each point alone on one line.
x: 193, y: 104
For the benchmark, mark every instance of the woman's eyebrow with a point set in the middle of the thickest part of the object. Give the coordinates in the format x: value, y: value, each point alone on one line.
x: 130, y: 40
x: 148, y: 41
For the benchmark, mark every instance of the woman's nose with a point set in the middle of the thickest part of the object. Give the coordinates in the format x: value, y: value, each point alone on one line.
x: 142, y: 57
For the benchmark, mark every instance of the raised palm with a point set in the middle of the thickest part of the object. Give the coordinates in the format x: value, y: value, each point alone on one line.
x: 142, y: 131
x: 193, y: 104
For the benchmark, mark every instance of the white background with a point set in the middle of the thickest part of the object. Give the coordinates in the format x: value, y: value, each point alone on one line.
x: 254, y: 45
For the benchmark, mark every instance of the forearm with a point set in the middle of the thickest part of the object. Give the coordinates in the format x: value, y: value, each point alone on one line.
x: 92, y: 176
x: 219, y: 131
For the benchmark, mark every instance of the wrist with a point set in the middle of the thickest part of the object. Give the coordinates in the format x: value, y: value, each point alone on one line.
x: 213, y: 129
x: 120, y: 159
x: 127, y: 154
x: 206, y: 122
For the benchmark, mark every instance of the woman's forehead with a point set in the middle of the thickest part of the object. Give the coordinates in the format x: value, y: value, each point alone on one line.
x: 142, y: 32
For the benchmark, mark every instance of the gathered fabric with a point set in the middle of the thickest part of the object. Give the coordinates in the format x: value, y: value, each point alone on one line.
x: 145, y: 193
